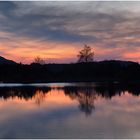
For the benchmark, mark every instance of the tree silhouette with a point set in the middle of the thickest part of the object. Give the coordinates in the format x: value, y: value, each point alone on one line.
x: 86, y: 54
x: 39, y: 60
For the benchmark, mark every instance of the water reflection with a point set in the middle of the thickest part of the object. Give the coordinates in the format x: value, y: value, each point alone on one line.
x: 42, y: 111
x: 86, y: 96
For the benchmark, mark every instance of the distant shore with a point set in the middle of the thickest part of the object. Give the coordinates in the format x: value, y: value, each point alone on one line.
x: 104, y: 71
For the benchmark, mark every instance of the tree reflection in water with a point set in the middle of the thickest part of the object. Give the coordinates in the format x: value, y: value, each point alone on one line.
x: 85, y: 95
x: 39, y: 97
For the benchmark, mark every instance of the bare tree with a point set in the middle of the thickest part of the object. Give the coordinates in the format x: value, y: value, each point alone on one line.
x: 86, y: 54
x: 39, y: 60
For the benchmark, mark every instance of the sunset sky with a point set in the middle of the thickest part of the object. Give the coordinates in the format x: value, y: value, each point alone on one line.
x: 56, y: 31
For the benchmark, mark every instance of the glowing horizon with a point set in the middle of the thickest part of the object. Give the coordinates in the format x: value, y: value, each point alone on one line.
x: 57, y: 31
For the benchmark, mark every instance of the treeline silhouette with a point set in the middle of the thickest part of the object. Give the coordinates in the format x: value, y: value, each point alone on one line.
x: 111, y: 71
x: 25, y: 92
x: 85, y: 95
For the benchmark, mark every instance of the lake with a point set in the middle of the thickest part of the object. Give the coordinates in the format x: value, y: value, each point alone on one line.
x: 69, y: 110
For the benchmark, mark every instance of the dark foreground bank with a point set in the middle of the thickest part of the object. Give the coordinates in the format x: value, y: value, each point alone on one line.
x: 111, y: 71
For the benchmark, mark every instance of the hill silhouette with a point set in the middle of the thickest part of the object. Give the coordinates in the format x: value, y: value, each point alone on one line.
x: 109, y: 71
x: 6, y: 61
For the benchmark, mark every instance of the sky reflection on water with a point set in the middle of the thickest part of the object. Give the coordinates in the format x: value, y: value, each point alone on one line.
x: 70, y: 112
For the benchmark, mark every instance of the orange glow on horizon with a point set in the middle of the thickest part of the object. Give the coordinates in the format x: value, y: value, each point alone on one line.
x: 23, y: 49
x: 133, y: 56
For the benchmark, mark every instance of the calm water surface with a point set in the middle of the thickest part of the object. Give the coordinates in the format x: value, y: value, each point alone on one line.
x: 69, y: 110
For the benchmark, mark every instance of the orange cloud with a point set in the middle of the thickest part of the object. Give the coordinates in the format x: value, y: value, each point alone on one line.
x: 25, y: 49
x: 134, y: 56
